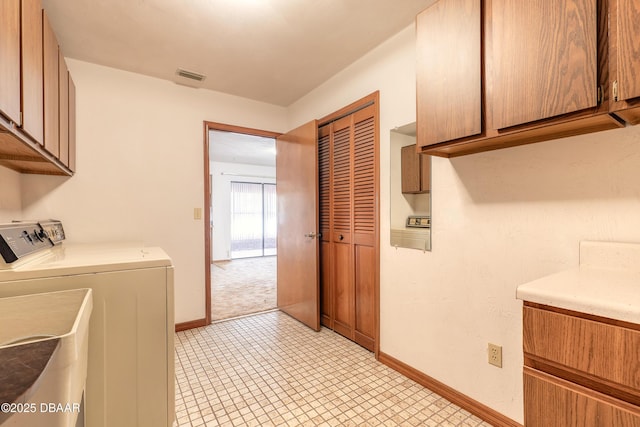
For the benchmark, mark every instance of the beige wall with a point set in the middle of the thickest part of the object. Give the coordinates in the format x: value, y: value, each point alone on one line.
x: 140, y: 168
x: 500, y: 219
x: 10, y: 195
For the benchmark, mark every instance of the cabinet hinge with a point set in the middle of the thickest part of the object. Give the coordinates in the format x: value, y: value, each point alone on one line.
x: 615, y: 90
x: 599, y: 100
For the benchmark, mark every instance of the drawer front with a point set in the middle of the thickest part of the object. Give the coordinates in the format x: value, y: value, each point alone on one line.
x: 599, y: 350
x: 552, y: 402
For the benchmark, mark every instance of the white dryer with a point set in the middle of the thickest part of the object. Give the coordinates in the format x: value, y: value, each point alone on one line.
x: 130, y: 373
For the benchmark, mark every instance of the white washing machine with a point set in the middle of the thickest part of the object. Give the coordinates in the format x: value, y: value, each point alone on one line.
x: 130, y: 373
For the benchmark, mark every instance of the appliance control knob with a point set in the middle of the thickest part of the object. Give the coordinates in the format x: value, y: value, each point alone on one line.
x: 36, y: 236
x: 27, y: 237
x: 42, y: 234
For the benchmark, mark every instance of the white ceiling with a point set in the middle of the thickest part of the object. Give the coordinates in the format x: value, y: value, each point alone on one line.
x: 232, y: 147
x: 273, y: 51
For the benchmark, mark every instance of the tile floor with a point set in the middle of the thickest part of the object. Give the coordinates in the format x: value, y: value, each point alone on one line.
x: 270, y: 370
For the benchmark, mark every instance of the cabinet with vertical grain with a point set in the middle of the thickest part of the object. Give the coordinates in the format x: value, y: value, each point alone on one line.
x: 624, y: 42
x: 10, y: 60
x: 416, y: 171
x: 36, y: 119
x: 348, y: 165
x: 499, y: 73
x: 32, y: 71
x: 51, y: 88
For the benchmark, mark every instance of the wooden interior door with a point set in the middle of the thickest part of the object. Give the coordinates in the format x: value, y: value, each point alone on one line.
x: 349, y: 217
x: 297, y: 188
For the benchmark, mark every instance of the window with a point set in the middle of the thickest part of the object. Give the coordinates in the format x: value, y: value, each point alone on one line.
x: 253, y: 219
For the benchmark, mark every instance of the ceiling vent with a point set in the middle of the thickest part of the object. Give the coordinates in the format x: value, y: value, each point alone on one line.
x: 190, y: 75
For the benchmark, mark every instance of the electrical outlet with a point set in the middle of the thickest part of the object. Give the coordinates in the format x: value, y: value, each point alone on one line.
x: 495, y: 355
x: 197, y: 213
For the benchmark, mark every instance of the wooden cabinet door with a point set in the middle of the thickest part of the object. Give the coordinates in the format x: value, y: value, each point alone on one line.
x: 554, y: 337
x: 425, y: 173
x: 448, y: 67
x: 628, y: 51
x: 550, y: 401
x: 410, y: 164
x: 32, y: 70
x: 51, y: 87
x: 10, y: 59
x: 544, y: 59
x: 63, y: 102
x: 72, y: 125
x: 416, y: 171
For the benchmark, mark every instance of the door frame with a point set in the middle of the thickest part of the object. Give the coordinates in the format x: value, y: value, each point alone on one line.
x: 373, y: 98
x: 209, y: 126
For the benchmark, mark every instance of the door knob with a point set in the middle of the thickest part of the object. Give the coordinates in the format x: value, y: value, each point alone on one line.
x: 341, y: 237
x: 312, y: 235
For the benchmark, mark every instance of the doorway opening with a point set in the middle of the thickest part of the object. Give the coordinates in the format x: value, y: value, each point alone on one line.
x: 240, y: 221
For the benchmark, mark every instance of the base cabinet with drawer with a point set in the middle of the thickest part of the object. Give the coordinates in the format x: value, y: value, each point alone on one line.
x: 580, y: 370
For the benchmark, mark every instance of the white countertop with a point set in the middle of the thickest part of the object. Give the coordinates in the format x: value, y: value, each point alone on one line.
x: 72, y: 259
x: 606, y: 283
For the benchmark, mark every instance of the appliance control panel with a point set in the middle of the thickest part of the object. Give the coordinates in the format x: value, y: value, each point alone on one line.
x: 53, y: 229
x: 20, y: 239
x: 417, y: 221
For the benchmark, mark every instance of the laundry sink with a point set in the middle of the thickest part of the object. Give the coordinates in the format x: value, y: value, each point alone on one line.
x: 43, y: 357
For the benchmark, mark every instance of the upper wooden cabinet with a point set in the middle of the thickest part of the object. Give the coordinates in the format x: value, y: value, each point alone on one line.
x: 32, y: 71
x: 544, y: 59
x: 500, y: 73
x: 416, y: 171
x: 51, y: 86
x: 72, y: 124
x: 10, y: 59
x: 449, y: 71
x: 625, y: 59
x: 63, y: 108
x: 37, y: 98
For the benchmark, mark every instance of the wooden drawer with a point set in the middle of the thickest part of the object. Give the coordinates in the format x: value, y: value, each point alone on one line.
x: 600, y: 352
x: 553, y: 402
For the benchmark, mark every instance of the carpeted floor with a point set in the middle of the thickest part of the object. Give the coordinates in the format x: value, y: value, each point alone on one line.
x: 242, y: 286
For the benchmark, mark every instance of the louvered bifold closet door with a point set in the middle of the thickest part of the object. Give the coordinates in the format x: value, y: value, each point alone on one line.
x: 324, y: 191
x: 364, y: 224
x: 341, y: 223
